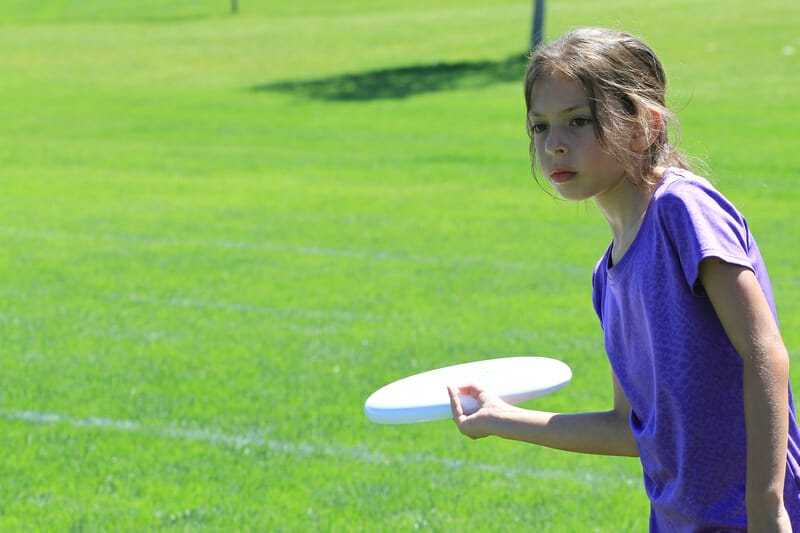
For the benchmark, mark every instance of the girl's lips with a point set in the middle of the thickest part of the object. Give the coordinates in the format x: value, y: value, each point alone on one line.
x: 561, y: 176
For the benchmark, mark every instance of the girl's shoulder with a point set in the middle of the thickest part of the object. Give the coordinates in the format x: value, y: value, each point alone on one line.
x: 681, y: 190
x: 678, y: 183
x: 685, y: 202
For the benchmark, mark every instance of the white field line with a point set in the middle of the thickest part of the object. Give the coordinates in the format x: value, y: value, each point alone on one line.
x: 381, y: 255
x: 355, y: 453
x: 260, y: 309
x: 286, y: 313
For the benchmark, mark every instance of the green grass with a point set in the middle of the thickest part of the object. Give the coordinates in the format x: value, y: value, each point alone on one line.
x: 207, y: 267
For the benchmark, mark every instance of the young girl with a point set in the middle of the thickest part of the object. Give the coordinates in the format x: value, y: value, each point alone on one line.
x: 700, y: 373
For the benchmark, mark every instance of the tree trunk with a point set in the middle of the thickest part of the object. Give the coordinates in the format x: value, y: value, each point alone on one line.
x: 537, y: 33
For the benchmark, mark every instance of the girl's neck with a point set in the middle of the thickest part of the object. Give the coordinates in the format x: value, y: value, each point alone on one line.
x: 624, y: 207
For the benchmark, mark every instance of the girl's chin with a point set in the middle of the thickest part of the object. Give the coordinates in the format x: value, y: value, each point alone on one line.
x: 570, y: 194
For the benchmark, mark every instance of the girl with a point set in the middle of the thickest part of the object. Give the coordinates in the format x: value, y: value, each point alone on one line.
x: 700, y: 373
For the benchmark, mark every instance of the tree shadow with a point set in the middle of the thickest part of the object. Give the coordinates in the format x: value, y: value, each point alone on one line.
x: 402, y: 82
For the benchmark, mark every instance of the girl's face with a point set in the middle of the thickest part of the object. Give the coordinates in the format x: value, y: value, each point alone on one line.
x: 567, y: 149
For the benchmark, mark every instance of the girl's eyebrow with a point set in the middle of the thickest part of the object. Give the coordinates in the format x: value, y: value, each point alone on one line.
x: 564, y: 111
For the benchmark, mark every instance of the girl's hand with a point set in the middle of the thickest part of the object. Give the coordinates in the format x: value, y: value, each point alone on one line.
x: 768, y: 519
x: 478, y: 424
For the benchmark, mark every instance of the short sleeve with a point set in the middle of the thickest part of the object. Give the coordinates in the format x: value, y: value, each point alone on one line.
x: 701, y: 223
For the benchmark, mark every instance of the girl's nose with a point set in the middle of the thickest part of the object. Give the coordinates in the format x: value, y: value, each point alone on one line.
x: 555, y: 145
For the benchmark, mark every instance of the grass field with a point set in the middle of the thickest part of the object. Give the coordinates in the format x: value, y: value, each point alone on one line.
x: 220, y: 233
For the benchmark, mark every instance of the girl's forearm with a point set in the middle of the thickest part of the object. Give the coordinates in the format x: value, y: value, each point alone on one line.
x: 766, y: 378
x: 604, y: 433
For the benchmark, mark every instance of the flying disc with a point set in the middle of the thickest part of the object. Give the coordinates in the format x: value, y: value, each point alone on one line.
x: 423, y: 397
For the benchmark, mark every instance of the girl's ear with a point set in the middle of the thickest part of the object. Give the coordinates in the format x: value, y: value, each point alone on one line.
x: 647, y: 133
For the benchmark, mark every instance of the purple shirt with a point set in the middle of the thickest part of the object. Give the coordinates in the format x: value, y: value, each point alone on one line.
x: 675, y: 364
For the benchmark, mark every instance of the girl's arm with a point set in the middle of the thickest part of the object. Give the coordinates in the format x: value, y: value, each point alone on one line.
x: 746, y: 316
x: 606, y: 433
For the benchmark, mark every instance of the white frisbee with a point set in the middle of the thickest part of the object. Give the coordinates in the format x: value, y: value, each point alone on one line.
x: 423, y: 397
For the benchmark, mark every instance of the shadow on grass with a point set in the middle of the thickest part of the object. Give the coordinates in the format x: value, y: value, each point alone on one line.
x: 403, y: 82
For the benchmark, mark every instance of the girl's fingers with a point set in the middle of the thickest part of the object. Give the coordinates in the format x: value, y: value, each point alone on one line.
x: 470, y: 390
x: 455, y: 403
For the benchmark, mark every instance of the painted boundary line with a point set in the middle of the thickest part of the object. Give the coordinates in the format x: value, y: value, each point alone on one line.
x: 244, y: 307
x: 356, y: 453
x: 188, y: 302
x: 379, y: 255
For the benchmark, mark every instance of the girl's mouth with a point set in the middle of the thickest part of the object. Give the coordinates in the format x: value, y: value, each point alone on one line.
x: 560, y: 175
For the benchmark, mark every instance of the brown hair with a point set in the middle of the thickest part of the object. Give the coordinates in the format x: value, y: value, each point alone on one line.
x: 623, y: 81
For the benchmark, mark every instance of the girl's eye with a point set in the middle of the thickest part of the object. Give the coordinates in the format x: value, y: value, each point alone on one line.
x: 581, y: 121
x: 538, y: 127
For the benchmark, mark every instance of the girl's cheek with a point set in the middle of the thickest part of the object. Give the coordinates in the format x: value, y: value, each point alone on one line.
x: 540, y: 152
